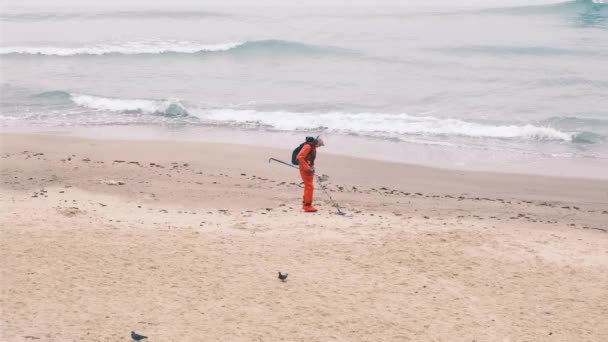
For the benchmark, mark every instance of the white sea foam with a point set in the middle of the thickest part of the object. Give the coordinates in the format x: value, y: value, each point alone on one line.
x: 370, y: 124
x: 166, y: 107
x: 124, y: 48
x: 380, y: 124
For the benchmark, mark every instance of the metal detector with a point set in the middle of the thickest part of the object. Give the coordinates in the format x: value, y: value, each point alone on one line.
x: 320, y: 180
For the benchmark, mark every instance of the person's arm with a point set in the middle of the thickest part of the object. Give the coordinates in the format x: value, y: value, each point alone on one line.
x: 302, y: 158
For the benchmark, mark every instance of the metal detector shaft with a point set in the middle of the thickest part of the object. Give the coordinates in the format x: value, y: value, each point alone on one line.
x: 334, y: 203
x: 282, y: 162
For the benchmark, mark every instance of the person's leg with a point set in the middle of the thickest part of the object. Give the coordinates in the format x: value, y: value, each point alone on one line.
x: 308, y: 191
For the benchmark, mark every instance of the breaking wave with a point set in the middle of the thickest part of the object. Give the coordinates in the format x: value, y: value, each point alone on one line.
x: 383, y: 125
x: 587, y: 138
x: 380, y: 124
x: 172, y: 108
x: 170, y: 47
x: 592, y: 130
x: 169, y: 108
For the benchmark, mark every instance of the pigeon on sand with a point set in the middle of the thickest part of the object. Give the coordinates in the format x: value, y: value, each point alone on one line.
x: 137, y: 337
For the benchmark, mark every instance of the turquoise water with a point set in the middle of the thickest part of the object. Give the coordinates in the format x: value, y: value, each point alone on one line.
x: 505, y: 86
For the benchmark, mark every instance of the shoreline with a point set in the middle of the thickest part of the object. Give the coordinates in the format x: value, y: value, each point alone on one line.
x: 263, y: 152
x: 436, y: 156
x: 178, y: 240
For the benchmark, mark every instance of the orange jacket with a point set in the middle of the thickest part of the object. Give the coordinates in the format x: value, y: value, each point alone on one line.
x: 306, y: 157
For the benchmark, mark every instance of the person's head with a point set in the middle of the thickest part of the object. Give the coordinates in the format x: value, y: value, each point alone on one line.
x: 319, y: 142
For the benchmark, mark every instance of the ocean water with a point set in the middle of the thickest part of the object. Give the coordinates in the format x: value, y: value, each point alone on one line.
x: 515, y: 86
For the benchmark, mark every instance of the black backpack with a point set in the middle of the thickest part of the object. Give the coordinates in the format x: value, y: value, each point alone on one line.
x: 294, y: 154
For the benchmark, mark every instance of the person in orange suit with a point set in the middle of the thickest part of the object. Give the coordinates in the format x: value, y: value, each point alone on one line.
x: 306, y: 159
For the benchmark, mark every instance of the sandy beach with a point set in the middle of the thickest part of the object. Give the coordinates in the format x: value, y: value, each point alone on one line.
x: 182, y: 241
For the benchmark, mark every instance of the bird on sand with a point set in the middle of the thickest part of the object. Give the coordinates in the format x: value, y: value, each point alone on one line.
x: 137, y: 337
x: 283, y: 277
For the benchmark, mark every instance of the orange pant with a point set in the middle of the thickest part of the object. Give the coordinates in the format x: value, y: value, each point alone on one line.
x: 308, y: 179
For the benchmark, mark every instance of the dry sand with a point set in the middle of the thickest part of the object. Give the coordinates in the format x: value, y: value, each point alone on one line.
x: 182, y: 242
